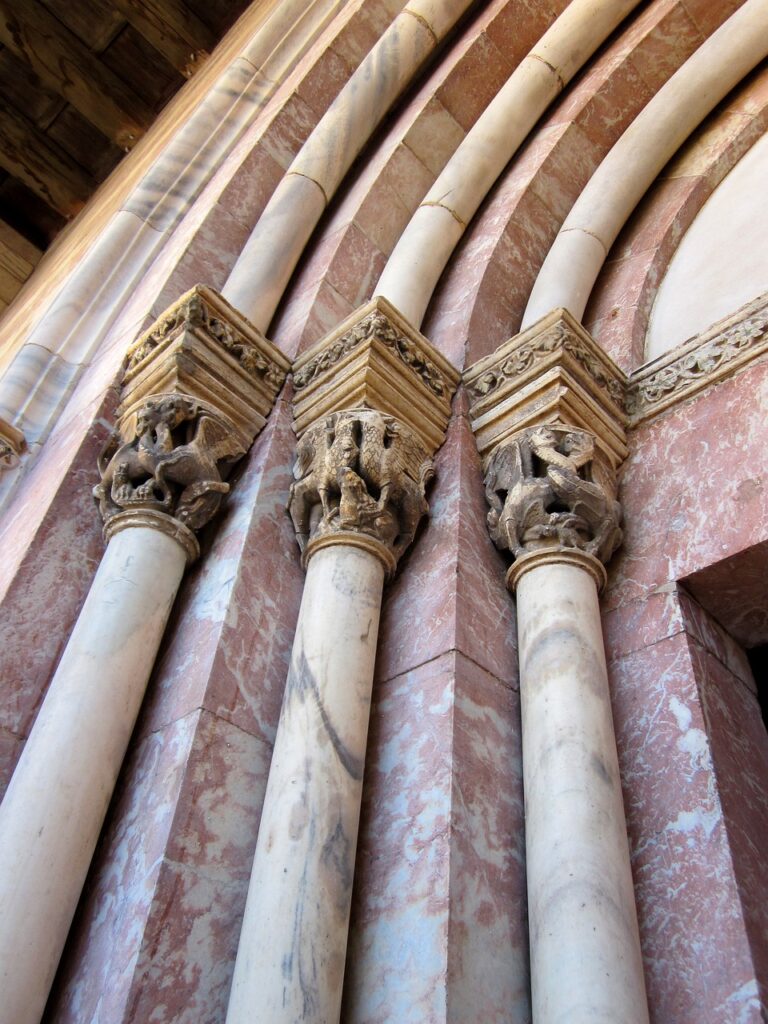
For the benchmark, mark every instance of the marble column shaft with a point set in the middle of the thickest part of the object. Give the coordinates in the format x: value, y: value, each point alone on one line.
x: 55, y: 805
x: 290, y: 961
x: 586, y: 965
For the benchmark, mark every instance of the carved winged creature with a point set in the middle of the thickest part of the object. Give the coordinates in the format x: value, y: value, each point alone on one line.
x: 195, y: 467
x: 518, y: 499
x: 393, y: 462
x: 172, y: 465
x: 321, y: 454
x: 591, y: 511
x: 359, y: 471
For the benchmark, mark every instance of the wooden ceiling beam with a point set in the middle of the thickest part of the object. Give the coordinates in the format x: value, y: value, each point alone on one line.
x: 172, y: 29
x: 41, y: 165
x: 67, y: 66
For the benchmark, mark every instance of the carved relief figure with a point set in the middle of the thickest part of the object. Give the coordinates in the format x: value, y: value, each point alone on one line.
x: 547, y: 484
x: 359, y: 471
x: 173, y: 465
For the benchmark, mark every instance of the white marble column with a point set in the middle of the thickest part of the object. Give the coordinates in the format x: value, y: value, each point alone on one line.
x: 356, y: 503
x: 53, y: 810
x: 196, y: 389
x: 552, y: 497
x: 290, y: 962
x: 586, y: 966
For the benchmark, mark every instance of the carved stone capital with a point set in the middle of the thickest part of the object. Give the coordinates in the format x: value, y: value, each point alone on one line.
x: 548, y: 410
x: 376, y: 360
x: 175, y: 464
x: 203, y: 348
x: 197, y: 388
x: 12, y: 444
x: 360, y: 478
x: 551, y: 373
x: 550, y: 491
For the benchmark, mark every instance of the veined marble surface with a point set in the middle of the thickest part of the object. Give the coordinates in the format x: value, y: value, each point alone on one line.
x: 54, y: 808
x: 586, y: 966
x: 290, y: 961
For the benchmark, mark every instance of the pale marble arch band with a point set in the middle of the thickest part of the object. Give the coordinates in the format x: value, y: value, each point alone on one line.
x: 615, y: 189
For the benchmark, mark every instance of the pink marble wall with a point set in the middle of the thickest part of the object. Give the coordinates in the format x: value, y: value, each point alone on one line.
x: 438, y: 923
x: 692, y: 744
x: 693, y: 753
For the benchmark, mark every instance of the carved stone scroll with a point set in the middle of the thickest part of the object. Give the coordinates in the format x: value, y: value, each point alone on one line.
x: 359, y: 474
x: 547, y: 487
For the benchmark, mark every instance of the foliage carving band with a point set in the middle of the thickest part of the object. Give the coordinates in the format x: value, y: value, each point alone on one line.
x: 374, y: 326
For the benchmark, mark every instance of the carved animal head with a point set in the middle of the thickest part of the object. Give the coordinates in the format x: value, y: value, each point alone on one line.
x: 543, y: 437
x: 345, y: 440
x: 169, y: 410
x: 580, y: 446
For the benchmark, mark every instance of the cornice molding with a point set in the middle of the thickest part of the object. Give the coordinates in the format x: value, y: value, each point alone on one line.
x: 375, y: 359
x: 720, y: 352
x: 204, y: 348
x: 552, y: 373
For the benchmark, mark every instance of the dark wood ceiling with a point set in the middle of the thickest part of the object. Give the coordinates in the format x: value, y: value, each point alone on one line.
x: 80, y: 83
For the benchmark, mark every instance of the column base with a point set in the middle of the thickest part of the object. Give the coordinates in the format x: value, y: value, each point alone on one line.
x: 353, y: 540
x: 553, y: 556
x: 154, y: 520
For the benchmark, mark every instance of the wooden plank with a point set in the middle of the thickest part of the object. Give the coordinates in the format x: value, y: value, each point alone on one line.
x: 84, y: 143
x: 152, y: 77
x: 172, y: 29
x: 13, y: 264
x: 28, y: 214
x: 218, y: 15
x: 41, y: 165
x: 94, y: 22
x: 66, y: 65
x: 21, y: 88
x: 17, y: 243
x: 9, y: 286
